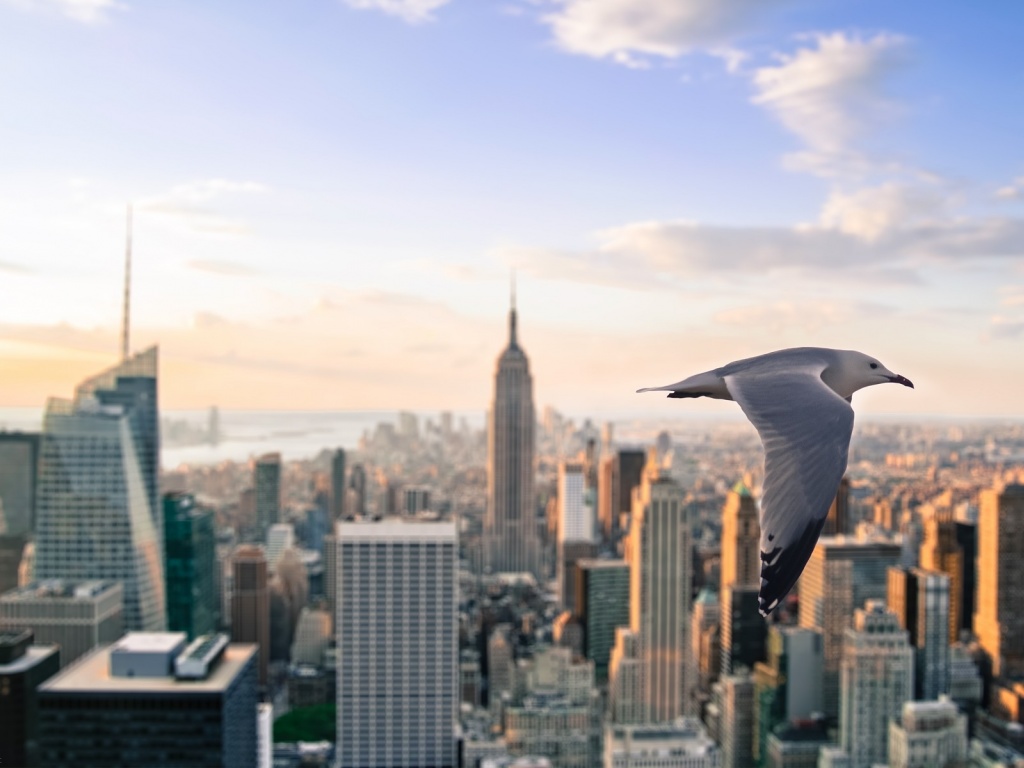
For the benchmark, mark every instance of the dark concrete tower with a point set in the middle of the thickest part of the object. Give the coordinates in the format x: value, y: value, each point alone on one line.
x: 510, y: 525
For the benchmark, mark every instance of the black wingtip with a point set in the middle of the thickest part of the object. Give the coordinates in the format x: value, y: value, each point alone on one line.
x: 781, y: 567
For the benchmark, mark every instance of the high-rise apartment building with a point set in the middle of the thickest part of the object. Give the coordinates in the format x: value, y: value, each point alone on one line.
x: 152, y: 699
x: 250, y: 604
x: 397, y: 634
x: 842, y: 574
x: 999, y: 620
x: 267, y: 485
x: 77, y: 616
x: 280, y: 537
x: 877, y: 679
x: 920, y: 599
x: 97, y: 466
x: 338, y: 487
x: 511, y: 543
x: 659, y: 553
x: 602, y: 604
x: 190, y: 550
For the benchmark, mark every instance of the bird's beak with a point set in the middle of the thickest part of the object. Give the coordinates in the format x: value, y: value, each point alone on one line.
x: 897, y: 379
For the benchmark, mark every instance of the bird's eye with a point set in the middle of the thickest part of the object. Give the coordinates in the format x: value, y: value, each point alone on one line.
x: 874, y: 365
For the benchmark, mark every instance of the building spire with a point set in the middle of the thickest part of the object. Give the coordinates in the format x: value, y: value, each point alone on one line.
x: 126, y: 311
x: 512, y: 341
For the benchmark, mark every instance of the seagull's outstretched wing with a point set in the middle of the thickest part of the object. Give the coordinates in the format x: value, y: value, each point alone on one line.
x: 805, y: 428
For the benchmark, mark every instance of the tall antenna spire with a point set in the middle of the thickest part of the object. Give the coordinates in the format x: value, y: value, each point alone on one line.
x: 512, y: 342
x: 126, y: 312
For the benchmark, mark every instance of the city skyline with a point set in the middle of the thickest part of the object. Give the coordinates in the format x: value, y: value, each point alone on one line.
x: 330, y: 196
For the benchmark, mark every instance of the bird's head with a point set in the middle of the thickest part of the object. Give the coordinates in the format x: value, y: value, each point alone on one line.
x: 855, y: 370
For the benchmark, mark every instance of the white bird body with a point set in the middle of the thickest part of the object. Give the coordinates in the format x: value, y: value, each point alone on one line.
x: 799, y: 402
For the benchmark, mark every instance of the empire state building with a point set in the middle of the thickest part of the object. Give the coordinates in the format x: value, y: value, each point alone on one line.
x: 510, y: 525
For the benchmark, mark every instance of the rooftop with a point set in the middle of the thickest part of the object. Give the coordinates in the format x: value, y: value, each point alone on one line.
x: 92, y: 675
x: 56, y: 589
x: 396, y: 528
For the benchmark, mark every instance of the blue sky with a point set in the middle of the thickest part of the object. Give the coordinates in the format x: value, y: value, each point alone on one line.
x: 329, y: 195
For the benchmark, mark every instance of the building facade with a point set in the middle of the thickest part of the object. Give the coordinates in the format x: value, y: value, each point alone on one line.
x: 190, y: 562
x: 250, y: 604
x: 397, y: 636
x: 999, y: 621
x: 602, y: 604
x: 77, y: 616
x: 877, y: 679
x: 267, y: 489
x: 843, y: 573
x: 921, y: 599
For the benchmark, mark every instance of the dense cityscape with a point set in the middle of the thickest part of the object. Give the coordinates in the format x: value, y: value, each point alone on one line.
x: 540, y: 593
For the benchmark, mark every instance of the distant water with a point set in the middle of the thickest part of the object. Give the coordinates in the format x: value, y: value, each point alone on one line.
x: 294, y: 434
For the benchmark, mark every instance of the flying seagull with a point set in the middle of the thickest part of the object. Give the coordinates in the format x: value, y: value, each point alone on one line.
x: 799, y: 402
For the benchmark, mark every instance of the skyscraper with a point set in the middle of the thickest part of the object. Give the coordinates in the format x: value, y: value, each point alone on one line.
x: 97, y: 466
x: 510, y: 525
x: 737, y: 724
x: 602, y: 604
x: 619, y: 475
x: 920, y: 600
x: 190, y: 548
x: 19, y: 452
x: 949, y: 547
x: 999, y: 621
x: 338, y: 488
x: 842, y: 574
x: 659, y: 553
x: 267, y: 482
x: 250, y: 604
x: 397, y: 634
x: 877, y: 678
x: 929, y: 734
x: 788, y: 686
x: 742, y: 628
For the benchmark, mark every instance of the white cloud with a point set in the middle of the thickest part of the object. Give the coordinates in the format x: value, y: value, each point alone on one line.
x: 191, y: 204
x: 862, y: 238
x: 1012, y: 191
x: 622, y: 30
x: 412, y: 11
x: 873, y: 212
x: 831, y: 93
x: 85, y: 11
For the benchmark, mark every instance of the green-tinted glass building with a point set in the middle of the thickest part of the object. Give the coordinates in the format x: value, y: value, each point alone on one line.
x: 190, y: 557
x: 602, y: 604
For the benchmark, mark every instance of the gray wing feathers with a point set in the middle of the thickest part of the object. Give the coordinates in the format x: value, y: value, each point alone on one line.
x: 805, y: 428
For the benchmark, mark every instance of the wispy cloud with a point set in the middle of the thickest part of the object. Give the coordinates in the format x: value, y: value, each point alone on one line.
x: 630, y: 31
x: 85, y: 11
x: 1012, y: 191
x: 17, y: 269
x: 808, y: 315
x: 830, y: 93
x: 412, y: 11
x: 220, y: 267
x: 193, y: 203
